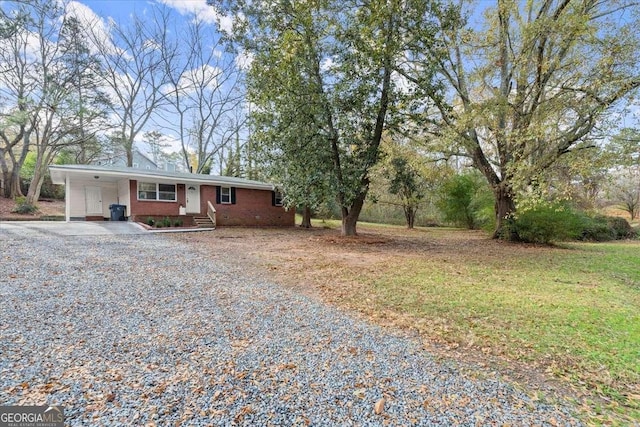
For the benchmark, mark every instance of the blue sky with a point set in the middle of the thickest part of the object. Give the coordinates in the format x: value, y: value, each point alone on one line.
x: 117, y: 9
x: 120, y: 10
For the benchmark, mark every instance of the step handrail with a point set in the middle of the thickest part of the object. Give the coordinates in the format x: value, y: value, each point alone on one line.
x: 211, y: 213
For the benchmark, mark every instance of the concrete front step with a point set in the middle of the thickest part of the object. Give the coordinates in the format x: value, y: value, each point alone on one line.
x: 203, y: 222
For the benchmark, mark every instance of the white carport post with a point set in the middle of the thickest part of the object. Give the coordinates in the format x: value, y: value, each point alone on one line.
x: 67, y: 198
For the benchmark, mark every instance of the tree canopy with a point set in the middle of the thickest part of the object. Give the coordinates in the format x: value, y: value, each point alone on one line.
x: 322, y: 88
x: 531, y: 83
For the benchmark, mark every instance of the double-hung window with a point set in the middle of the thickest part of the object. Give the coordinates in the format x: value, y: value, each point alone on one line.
x: 225, y: 195
x: 155, y: 191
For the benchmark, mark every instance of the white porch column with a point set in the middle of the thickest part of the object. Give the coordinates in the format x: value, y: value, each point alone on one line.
x: 67, y: 198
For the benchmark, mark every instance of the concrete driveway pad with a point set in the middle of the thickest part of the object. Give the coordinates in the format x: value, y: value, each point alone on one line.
x: 73, y: 228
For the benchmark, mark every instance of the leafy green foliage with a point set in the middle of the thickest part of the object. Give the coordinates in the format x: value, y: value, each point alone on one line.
x: 546, y: 223
x: 406, y: 183
x: 23, y: 207
x: 466, y: 201
x: 621, y: 229
x: 322, y: 89
x: 555, y: 222
x: 521, y: 94
x: 150, y: 221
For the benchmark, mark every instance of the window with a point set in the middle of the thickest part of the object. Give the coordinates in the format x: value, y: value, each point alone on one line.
x: 167, y: 192
x: 277, y: 198
x: 225, y: 195
x: 135, y: 165
x: 147, y: 191
x: 154, y: 191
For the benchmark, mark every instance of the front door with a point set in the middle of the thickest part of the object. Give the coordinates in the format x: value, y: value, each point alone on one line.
x: 193, y: 198
x: 93, y: 198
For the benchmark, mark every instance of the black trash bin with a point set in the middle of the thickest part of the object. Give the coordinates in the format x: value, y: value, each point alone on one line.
x: 117, y: 212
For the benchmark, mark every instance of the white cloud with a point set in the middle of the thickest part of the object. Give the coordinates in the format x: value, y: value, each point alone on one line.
x: 98, y: 27
x: 244, y: 60
x: 201, y: 11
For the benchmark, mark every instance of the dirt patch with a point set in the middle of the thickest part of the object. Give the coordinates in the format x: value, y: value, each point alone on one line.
x: 46, y: 208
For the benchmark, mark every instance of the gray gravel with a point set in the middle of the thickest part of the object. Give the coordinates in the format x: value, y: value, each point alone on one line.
x: 128, y: 330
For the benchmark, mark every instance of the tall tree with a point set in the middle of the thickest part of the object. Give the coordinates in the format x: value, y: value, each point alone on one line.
x: 624, y: 188
x: 87, y: 99
x: 42, y: 76
x: 205, y: 95
x: 16, y: 94
x: 155, y: 141
x: 405, y: 179
x: 71, y: 104
x: 134, y: 72
x: 528, y: 87
x: 338, y: 58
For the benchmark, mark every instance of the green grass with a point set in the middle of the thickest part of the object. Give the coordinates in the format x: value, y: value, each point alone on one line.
x: 574, y: 310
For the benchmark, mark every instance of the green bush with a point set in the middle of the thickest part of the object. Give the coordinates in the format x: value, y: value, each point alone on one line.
x: 150, y: 221
x: 621, y: 228
x: 166, y: 221
x: 600, y: 228
x: 547, y: 224
x: 558, y: 222
x: 177, y: 223
x: 466, y: 201
x: 22, y: 207
x: 596, y: 228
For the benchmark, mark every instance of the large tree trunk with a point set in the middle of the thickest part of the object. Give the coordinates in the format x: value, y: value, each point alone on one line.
x: 349, y: 225
x: 505, y: 207
x: 410, y: 216
x: 11, y: 174
x: 129, y: 157
x: 14, y: 185
x: 350, y: 216
x: 306, y: 217
x: 39, y: 173
x: 5, y: 175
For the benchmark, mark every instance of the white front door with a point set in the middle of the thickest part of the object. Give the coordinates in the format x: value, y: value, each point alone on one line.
x: 93, y: 198
x: 193, y: 198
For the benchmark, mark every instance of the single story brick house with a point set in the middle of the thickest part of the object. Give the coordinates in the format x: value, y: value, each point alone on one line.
x: 225, y: 201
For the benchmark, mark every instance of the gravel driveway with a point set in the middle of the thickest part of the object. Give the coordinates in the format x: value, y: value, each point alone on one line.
x: 143, y: 329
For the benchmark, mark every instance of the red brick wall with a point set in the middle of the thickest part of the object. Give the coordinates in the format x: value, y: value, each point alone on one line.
x: 143, y: 208
x: 252, y: 208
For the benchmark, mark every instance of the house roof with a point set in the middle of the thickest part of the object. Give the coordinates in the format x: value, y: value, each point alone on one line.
x: 59, y: 175
x: 141, y: 154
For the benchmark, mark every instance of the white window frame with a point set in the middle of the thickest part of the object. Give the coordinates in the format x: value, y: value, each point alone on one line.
x: 222, y: 195
x: 158, y: 192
